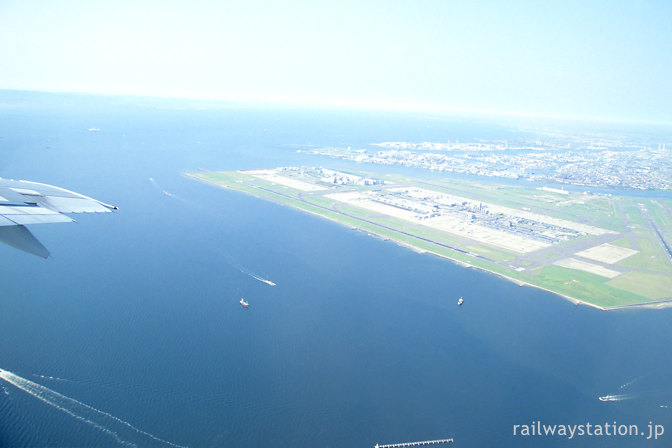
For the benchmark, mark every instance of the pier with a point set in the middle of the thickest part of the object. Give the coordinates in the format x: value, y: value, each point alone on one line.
x: 426, y: 442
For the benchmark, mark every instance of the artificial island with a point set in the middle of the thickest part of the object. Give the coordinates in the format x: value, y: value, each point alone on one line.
x: 598, y: 249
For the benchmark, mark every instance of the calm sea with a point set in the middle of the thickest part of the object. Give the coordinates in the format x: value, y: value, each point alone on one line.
x: 131, y: 332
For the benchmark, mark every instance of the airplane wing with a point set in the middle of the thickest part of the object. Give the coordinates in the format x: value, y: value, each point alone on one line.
x: 23, y: 202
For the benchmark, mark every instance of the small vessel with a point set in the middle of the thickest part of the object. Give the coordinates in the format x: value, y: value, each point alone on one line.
x: 244, y: 303
x: 263, y: 280
x: 460, y: 301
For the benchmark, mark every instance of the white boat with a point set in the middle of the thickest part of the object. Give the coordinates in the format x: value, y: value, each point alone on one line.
x: 268, y: 282
x: 244, y: 303
x: 460, y: 301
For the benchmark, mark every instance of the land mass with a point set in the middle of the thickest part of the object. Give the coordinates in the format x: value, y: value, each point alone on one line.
x: 602, y: 250
x: 594, y: 162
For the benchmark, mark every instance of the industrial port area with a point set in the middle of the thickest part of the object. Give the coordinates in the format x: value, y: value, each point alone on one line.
x: 598, y: 249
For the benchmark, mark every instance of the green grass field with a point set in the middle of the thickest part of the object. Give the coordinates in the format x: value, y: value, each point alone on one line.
x: 646, y: 276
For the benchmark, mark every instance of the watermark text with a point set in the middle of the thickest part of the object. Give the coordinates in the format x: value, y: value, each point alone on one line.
x: 607, y: 429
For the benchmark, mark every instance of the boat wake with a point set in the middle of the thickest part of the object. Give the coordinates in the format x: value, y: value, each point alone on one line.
x: 167, y: 193
x: 254, y: 276
x: 52, y: 378
x: 263, y: 280
x: 121, y: 431
x: 631, y: 382
x: 234, y: 263
x: 618, y: 397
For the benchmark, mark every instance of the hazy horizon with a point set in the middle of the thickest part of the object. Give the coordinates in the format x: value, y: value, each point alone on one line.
x: 599, y: 60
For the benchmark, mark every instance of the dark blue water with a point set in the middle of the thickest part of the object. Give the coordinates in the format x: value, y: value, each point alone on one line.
x: 136, y: 314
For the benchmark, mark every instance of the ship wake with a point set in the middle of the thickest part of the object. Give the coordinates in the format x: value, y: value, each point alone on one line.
x: 254, y: 276
x: 121, y: 431
x: 167, y: 193
x: 618, y: 397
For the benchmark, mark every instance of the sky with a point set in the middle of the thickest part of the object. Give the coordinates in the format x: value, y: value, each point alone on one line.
x: 592, y: 59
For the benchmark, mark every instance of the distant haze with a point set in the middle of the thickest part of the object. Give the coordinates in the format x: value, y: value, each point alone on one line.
x: 597, y: 59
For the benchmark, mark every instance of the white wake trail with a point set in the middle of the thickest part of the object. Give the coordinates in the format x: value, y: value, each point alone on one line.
x: 631, y: 382
x: 167, y: 193
x: 618, y: 397
x: 254, y: 276
x: 113, y: 426
x: 52, y: 378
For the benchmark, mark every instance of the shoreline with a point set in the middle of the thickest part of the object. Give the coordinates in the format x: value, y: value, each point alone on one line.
x: 647, y: 305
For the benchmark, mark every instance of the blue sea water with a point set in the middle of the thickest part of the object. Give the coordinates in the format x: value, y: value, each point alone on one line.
x: 131, y: 332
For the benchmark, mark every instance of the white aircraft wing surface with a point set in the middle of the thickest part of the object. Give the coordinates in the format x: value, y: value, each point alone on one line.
x: 23, y: 203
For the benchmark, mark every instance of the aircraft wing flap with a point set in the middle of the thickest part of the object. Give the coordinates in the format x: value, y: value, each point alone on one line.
x: 6, y: 222
x: 21, y: 238
x: 39, y: 219
x: 72, y: 205
x: 31, y: 214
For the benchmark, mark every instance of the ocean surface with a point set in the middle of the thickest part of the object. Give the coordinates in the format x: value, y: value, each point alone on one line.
x: 131, y: 333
